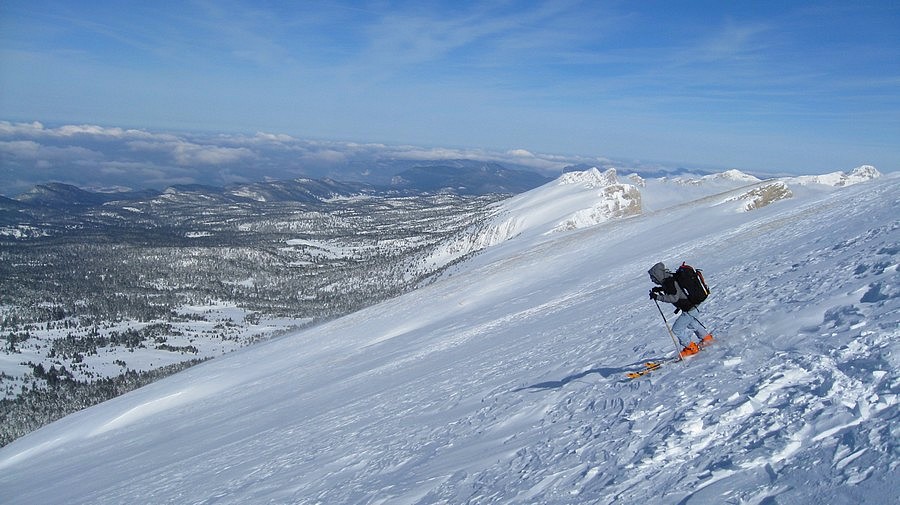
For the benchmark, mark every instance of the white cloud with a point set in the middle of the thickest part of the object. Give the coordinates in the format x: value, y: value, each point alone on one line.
x: 34, y: 151
x: 24, y: 149
x: 17, y: 129
x: 70, y: 130
x: 520, y: 153
x: 274, y: 137
x: 187, y: 153
x: 37, y: 129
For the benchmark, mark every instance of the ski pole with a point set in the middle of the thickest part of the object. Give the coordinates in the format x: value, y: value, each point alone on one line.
x: 698, y: 322
x: 671, y: 333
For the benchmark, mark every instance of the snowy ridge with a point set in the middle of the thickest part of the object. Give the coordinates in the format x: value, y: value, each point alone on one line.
x: 581, y: 199
x: 731, y: 175
x: 504, y: 383
x: 773, y: 191
x: 574, y: 200
x: 839, y: 179
x: 727, y: 177
x: 614, y: 201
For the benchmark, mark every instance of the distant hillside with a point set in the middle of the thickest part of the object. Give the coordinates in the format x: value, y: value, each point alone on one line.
x: 56, y: 194
x: 462, y: 178
x: 468, y: 179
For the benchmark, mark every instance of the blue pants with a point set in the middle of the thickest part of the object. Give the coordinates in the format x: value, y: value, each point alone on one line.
x: 685, y: 325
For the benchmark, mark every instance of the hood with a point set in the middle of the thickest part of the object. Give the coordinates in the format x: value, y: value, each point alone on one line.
x: 658, y: 272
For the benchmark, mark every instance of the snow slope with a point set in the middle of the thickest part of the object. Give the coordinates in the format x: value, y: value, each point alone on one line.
x: 503, y: 382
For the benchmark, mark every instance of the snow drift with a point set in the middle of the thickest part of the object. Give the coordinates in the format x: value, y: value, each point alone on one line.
x: 503, y: 382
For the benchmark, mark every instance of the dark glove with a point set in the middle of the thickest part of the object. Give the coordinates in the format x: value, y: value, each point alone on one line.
x: 653, y: 294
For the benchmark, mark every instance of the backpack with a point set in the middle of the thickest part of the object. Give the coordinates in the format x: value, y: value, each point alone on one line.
x: 693, y: 284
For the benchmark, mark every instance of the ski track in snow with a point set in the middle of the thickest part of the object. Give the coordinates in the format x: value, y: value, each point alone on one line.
x: 504, y: 382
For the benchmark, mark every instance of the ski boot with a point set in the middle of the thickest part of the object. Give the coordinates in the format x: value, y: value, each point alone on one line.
x: 690, y: 350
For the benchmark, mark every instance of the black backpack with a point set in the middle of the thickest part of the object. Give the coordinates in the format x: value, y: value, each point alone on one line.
x: 693, y: 284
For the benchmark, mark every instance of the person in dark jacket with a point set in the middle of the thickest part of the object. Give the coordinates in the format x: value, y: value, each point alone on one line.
x: 687, y: 325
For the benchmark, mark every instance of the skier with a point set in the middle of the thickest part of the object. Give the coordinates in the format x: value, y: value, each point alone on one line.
x: 687, y: 324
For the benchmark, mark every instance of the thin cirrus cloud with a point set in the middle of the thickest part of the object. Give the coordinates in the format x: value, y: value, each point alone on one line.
x: 767, y: 86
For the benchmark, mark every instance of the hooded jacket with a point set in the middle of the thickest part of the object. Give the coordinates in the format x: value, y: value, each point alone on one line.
x: 670, y: 291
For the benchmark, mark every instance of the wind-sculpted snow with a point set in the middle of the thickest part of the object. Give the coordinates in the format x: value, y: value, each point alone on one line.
x: 503, y: 382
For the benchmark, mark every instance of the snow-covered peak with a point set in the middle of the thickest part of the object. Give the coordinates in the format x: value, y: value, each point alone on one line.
x: 574, y: 200
x: 614, y: 200
x: 553, y: 206
x: 863, y: 173
x: 591, y: 178
x: 726, y: 177
x: 731, y: 175
x: 840, y: 179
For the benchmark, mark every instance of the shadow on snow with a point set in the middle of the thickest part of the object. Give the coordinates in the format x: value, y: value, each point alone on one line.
x: 604, y: 372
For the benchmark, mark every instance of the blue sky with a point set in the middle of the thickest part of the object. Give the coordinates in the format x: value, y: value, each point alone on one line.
x: 775, y: 87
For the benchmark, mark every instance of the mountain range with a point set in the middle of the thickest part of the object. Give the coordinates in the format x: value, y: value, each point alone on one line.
x: 466, y: 178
